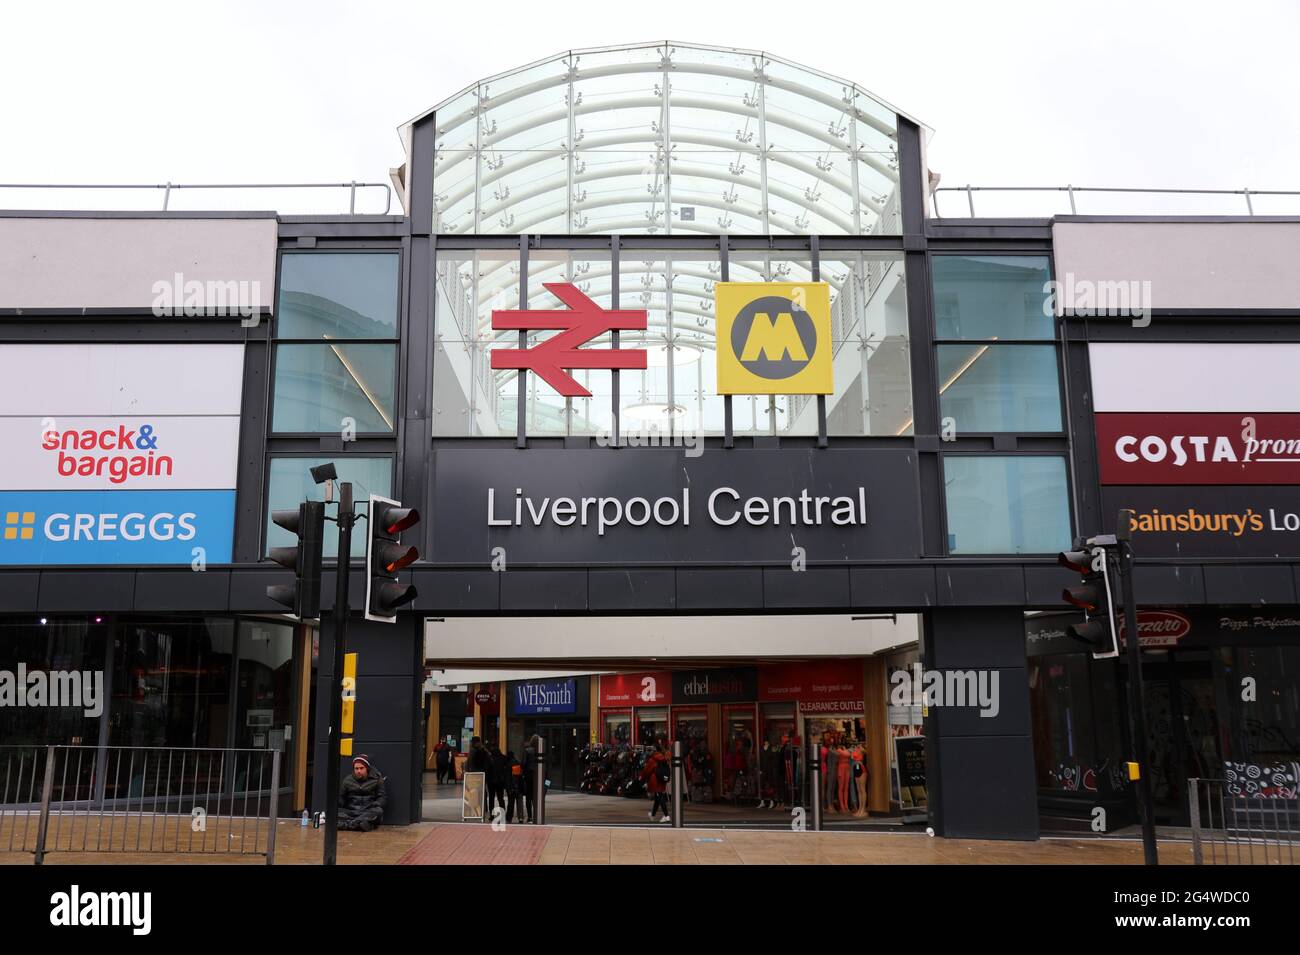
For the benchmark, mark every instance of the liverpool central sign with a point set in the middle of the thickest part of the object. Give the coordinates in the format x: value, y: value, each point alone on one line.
x: 584, y: 321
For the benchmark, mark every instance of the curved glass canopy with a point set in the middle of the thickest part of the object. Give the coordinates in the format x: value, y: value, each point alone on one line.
x: 667, y: 139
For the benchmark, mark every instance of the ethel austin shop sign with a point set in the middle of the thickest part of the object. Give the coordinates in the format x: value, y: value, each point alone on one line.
x: 549, y: 505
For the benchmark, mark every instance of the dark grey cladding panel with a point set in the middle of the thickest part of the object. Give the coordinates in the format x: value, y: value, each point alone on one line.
x: 385, y: 704
x: 976, y: 637
x: 1008, y: 700
x: 18, y: 591
x: 891, y: 587
x: 739, y: 588
x: 1246, y: 584
x: 356, y: 588
x: 183, y: 590
x: 1154, y: 584
x: 1043, y: 585
x: 384, y: 649
x: 248, y: 590
x: 1004, y: 805
x: 541, y: 591
x: 86, y: 590
x: 636, y: 589
x: 824, y: 588
x: 457, y: 591
x: 996, y: 586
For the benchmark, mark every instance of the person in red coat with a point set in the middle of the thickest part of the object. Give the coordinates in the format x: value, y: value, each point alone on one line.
x: 658, y: 769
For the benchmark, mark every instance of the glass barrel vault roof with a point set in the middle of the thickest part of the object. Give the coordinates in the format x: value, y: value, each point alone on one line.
x: 665, y: 138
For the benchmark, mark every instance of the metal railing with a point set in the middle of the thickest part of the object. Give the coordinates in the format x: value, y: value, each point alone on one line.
x: 1072, y: 191
x: 168, y: 188
x: 1232, y: 827
x: 138, y: 799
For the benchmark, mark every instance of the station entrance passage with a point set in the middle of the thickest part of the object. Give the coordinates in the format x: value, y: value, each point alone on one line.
x: 750, y: 704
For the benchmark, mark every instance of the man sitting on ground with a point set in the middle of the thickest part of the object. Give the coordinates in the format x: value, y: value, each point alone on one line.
x: 362, y: 797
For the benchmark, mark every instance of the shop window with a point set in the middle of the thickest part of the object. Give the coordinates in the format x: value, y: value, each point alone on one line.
x: 776, y: 764
x: 986, y: 388
x: 651, y: 725
x: 264, y: 685
x: 1006, y: 504
x: 335, y: 358
x: 75, y: 644
x: 740, y: 754
x: 1076, y: 724
x: 992, y: 297
x: 1263, y: 732
x: 289, y: 484
x: 618, y: 728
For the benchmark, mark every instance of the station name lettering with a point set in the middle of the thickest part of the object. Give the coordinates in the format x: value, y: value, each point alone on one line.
x: 725, y: 506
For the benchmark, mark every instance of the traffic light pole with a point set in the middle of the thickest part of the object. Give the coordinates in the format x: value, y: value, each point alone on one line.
x: 1137, y: 702
x: 346, y: 519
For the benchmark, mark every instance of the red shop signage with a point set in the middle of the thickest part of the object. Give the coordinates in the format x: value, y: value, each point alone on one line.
x: 1194, y: 448
x: 813, y: 707
x: 811, y: 681
x: 1158, y: 628
x: 636, y: 689
x: 486, y: 698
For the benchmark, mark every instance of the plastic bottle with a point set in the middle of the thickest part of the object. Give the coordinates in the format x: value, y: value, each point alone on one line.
x: 306, y: 818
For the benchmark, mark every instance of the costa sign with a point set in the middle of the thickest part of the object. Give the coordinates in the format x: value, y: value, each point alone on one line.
x: 1199, y: 448
x: 584, y: 321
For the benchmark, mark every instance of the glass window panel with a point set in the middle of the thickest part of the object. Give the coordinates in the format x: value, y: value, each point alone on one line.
x: 289, y: 484
x: 991, y: 297
x: 873, y: 376
x: 264, y: 685
x: 75, y: 644
x: 469, y: 397
x: 338, y: 295
x: 1076, y: 724
x: 324, y: 388
x: 548, y: 412
x: 999, y: 387
x: 1012, y: 504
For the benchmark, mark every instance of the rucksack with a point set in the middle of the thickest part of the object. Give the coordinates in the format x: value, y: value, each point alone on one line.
x: 662, y: 770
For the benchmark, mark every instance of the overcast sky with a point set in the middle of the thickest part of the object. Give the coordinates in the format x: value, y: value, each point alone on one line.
x: 1097, y: 93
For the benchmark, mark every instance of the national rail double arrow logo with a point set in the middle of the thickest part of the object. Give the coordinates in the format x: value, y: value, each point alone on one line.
x: 583, y: 321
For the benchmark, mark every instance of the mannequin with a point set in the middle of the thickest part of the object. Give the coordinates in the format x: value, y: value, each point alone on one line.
x: 843, y: 777
x: 860, y: 778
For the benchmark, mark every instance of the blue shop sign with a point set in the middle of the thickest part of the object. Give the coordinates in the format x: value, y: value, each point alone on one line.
x: 539, y: 697
x: 116, y: 527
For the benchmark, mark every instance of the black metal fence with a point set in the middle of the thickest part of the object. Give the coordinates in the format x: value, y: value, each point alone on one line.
x: 138, y: 799
x: 1234, y: 826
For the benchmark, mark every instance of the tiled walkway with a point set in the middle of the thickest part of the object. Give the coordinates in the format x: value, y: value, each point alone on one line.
x: 459, y: 843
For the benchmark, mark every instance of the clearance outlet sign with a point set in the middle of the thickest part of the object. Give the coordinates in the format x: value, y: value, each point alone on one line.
x: 118, y: 454
x: 1203, y: 443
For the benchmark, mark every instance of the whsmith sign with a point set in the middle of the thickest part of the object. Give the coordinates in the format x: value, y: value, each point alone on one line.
x: 547, y: 505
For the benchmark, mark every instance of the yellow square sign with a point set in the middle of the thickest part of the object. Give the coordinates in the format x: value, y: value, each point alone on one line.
x: 774, y: 338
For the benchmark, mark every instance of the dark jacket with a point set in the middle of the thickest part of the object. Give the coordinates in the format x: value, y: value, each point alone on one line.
x: 478, y: 760
x: 362, y: 801
x: 529, y: 762
x: 499, y: 770
x: 442, y: 753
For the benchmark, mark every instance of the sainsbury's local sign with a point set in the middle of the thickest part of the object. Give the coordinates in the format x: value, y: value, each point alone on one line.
x: 130, y: 460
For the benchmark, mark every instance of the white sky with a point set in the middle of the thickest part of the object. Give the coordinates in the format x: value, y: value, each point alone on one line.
x: 1097, y: 93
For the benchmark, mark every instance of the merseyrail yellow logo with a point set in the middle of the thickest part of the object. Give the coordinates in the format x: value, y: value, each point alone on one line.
x: 774, y: 338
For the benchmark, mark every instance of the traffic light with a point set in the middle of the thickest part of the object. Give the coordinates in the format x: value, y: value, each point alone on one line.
x: 1093, y: 597
x: 386, y: 555
x: 302, y: 597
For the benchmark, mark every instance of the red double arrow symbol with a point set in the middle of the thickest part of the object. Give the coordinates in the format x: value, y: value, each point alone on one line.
x: 583, y: 321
